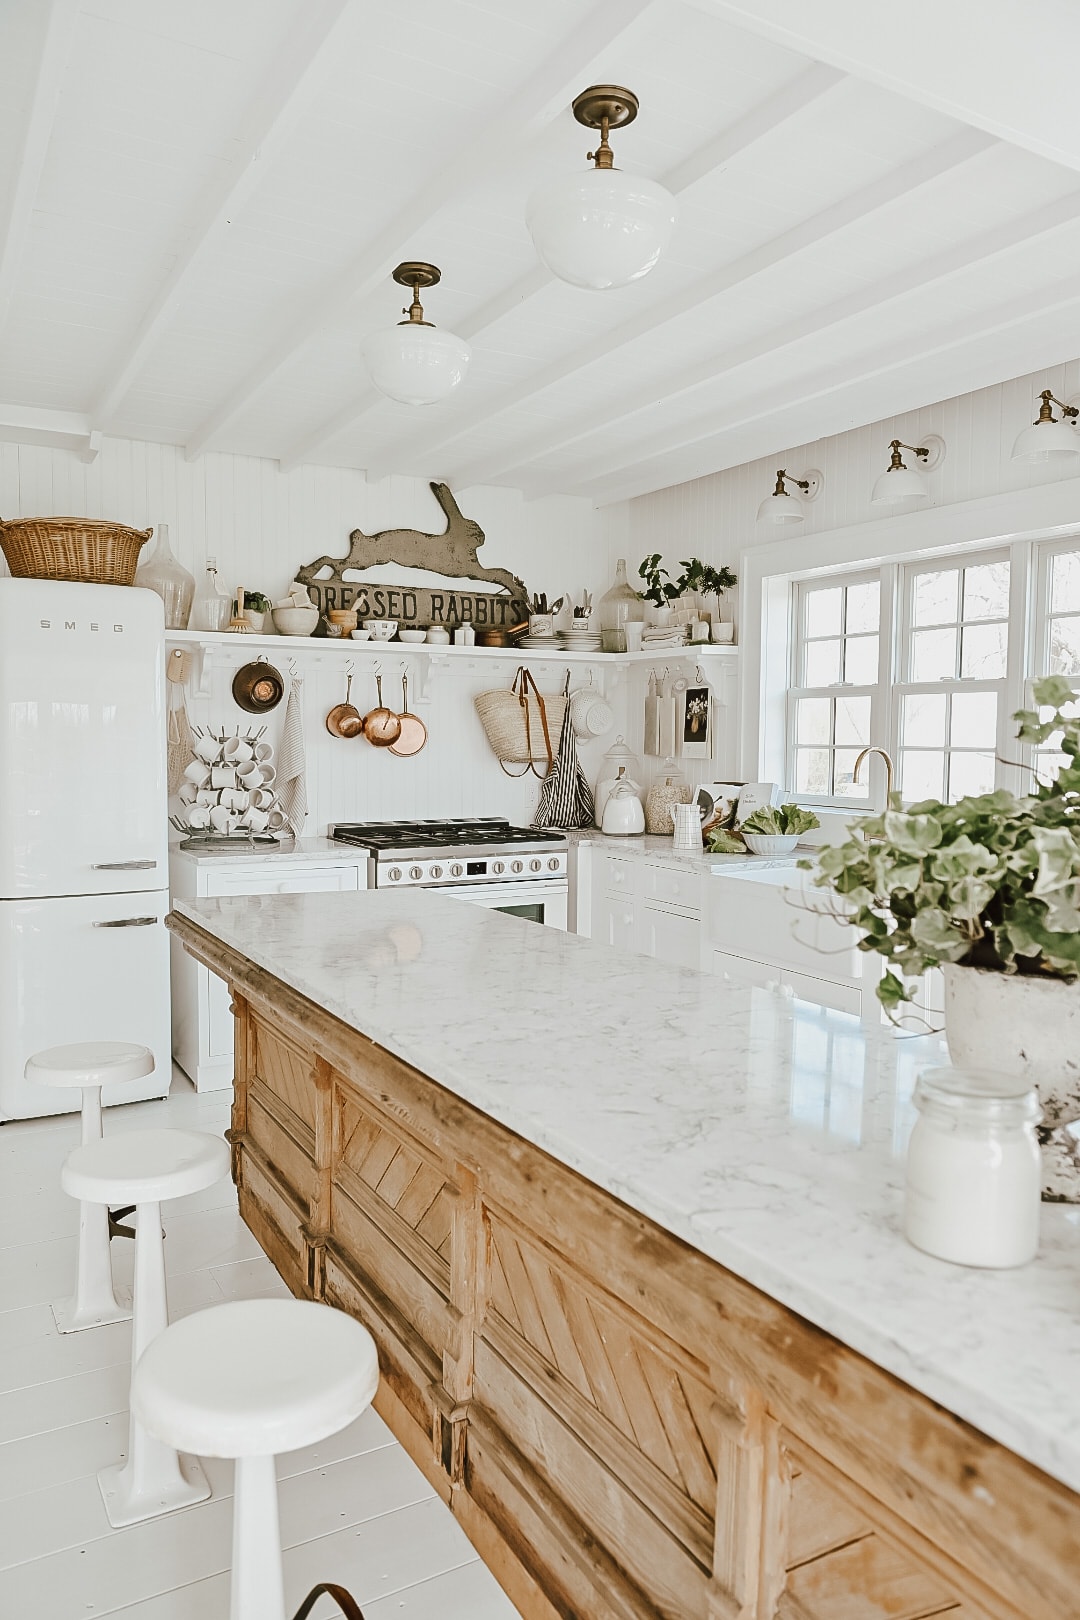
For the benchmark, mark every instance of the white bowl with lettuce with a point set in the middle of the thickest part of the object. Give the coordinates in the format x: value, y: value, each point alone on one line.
x: 776, y: 829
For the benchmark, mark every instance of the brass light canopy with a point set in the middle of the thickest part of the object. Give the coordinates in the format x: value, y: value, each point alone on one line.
x: 899, y: 482
x: 784, y: 507
x: 414, y: 362
x: 1049, y: 436
x: 603, y: 228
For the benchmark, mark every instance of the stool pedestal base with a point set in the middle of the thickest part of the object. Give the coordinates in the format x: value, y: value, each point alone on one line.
x: 158, y: 1480
x: 258, y: 1591
x: 95, y: 1300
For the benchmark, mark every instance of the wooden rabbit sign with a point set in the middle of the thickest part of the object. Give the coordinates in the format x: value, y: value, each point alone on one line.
x: 455, y: 553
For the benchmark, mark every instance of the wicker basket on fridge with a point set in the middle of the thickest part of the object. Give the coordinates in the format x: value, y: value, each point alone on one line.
x: 90, y: 550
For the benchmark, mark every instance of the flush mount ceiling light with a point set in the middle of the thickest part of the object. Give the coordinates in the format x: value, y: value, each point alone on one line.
x: 603, y: 228
x: 1049, y: 437
x: 414, y: 362
x: 784, y: 507
x: 900, y: 482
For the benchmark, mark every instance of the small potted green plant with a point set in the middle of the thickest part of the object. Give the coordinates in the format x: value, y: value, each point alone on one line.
x: 256, y: 607
x: 989, y: 890
x: 660, y: 589
x: 706, y: 580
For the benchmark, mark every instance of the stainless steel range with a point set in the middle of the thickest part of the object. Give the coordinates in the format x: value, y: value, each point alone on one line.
x: 486, y: 860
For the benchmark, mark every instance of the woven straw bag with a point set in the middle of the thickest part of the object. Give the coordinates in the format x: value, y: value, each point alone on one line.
x: 522, y: 726
x: 88, y: 550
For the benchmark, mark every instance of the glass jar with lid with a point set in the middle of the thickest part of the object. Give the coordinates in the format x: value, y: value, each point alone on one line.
x: 974, y: 1171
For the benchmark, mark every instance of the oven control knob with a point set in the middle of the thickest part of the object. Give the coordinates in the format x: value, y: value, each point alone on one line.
x: 416, y: 873
x: 456, y: 870
x: 516, y: 866
x: 436, y: 871
x: 498, y: 867
x: 534, y: 866
x: 394, y: 873
x: 554, y: 864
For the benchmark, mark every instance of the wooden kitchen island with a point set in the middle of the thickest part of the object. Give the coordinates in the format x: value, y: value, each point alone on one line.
x: 628, y: 1241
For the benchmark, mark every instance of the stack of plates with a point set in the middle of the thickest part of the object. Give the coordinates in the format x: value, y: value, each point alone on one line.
x: 580, y: 640
x: 540, y: 643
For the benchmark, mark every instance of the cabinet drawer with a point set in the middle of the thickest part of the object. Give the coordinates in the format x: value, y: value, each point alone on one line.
x: 745, y: 970
x: 297, y: 880
x: 671, y: 936
x: 620, y: 875
x: 673, y: 887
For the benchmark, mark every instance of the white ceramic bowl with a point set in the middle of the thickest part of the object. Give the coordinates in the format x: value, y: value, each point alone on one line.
x: 412, y: 636
x: 771, y: 843
x: 381, y: 629
x: 363, y: 634
x: 295, y: 621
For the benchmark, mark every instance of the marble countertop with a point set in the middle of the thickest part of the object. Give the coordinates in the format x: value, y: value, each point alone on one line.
x: 303, y: 851
x: 659, y: 847
x: 768, y: 1133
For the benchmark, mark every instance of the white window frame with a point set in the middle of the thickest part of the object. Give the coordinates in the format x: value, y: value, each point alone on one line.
x: 796, y: 690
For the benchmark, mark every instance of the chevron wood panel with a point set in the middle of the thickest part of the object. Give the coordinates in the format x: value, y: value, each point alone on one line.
x: 285, y: 1070
x: 631, y: 1378
x: 416, y: 1189
x: 868, y: 1580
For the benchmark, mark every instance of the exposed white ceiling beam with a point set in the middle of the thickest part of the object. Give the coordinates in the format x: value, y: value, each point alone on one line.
x: 57, y: 23
x: 929, y: 166
x: 728, y: 438
x: 510, y: 298
x: 542, y: 95
x: 953, y: 261
x: 1008, y: 68
x: 268, y: 117
x: 58, y: 430
x: 775, y: 111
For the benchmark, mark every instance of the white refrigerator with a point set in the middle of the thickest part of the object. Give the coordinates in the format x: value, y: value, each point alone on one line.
x: 84, y: 952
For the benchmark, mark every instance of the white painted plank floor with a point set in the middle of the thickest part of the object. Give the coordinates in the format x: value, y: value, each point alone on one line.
x: 354, y: 1509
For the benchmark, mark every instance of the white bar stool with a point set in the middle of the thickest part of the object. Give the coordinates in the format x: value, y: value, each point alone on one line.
x: 247, y: 1380
x: 91, y: 1065
x: 143, y: 1168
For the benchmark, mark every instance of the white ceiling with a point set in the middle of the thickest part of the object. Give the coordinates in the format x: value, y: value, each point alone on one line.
x: 201, y: 202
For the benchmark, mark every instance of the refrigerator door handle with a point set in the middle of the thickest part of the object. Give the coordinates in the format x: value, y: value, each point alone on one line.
x: 123, y: 866
x: 127, y: 922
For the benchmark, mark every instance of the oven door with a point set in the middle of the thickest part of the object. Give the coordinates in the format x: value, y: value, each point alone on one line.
x: 542, y: 902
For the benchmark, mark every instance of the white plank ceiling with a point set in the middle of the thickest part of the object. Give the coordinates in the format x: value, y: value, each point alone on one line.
x: 201, y: 202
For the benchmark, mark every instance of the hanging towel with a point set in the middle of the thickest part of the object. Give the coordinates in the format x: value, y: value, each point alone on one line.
x: 180, y: 742
x: 565, y: 797
x: 292, y: 763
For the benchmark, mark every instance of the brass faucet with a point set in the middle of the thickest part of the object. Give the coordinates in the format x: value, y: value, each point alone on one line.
x: 889, y: 770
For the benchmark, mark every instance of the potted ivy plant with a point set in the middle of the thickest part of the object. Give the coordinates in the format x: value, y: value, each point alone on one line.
x: 989, y: 890
x: 660, y: 589
x: 256, y: 607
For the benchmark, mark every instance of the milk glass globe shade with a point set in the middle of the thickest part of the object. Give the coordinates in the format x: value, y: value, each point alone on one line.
x: 1046, y: 441
x: 781, y: 508
x: 416, y: 364
x: 899, y: 484
x: 601, y: 228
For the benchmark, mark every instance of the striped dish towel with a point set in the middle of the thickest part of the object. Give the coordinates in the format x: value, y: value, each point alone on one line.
x: 565, y: 797
x: 292, y: 762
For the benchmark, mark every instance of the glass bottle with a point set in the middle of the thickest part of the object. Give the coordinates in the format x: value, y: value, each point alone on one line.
x: 616, y: 606
x: 164, y: 573
x: 212, y: 608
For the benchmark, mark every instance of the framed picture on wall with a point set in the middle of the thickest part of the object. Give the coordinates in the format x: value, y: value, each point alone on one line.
x: 695, y: 723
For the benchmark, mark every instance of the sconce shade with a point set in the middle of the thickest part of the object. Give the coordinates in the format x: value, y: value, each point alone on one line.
x: 780, y: 507
x: 1046, y: 441
x: 600, y: 228
x: 898, y: 484
x: 416, y: 364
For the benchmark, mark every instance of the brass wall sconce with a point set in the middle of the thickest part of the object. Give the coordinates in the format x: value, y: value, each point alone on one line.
x: 784, y: 507
x: 899, y: 482
x: 1048, y: 436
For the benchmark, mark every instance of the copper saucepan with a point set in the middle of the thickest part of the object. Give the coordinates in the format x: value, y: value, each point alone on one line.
x: 413, y: 730
x: 500, y: 637
x: 381, y: 725
x: 344, y: 719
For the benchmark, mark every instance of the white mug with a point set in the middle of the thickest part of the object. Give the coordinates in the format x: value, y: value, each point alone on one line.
x: 269, y: 775
x: 255, y: 820
x: 208, y: 749
x: 632, y: 630
x: 197, y: 772
x: 222, y: 776
x: 264, y: 752
x: 263, y: 799
x: 275, y: 820
x: 188, y: 793
x: 207, y: 796
x: 249, y: 774
x: 198, y: 818
x: 237, y: 751
x: 221, y: 818
x: 234, y: 798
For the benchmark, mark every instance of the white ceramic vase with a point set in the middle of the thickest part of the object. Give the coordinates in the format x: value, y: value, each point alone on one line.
x: 1026, y: 1026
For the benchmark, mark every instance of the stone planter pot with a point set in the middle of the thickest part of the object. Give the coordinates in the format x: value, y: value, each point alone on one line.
x: 1030, y: 1027
x: 659, y: 616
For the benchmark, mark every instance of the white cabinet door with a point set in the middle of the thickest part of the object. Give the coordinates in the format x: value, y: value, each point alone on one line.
x: 616, y: 924
x: 298, y: 880
x: 671, y: 936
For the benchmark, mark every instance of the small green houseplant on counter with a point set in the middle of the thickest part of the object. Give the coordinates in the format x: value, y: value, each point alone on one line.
x: 988, y: 889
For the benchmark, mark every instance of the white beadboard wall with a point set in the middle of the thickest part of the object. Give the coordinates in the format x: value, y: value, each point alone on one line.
x: 262, y: 524
x: 715, y: 517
